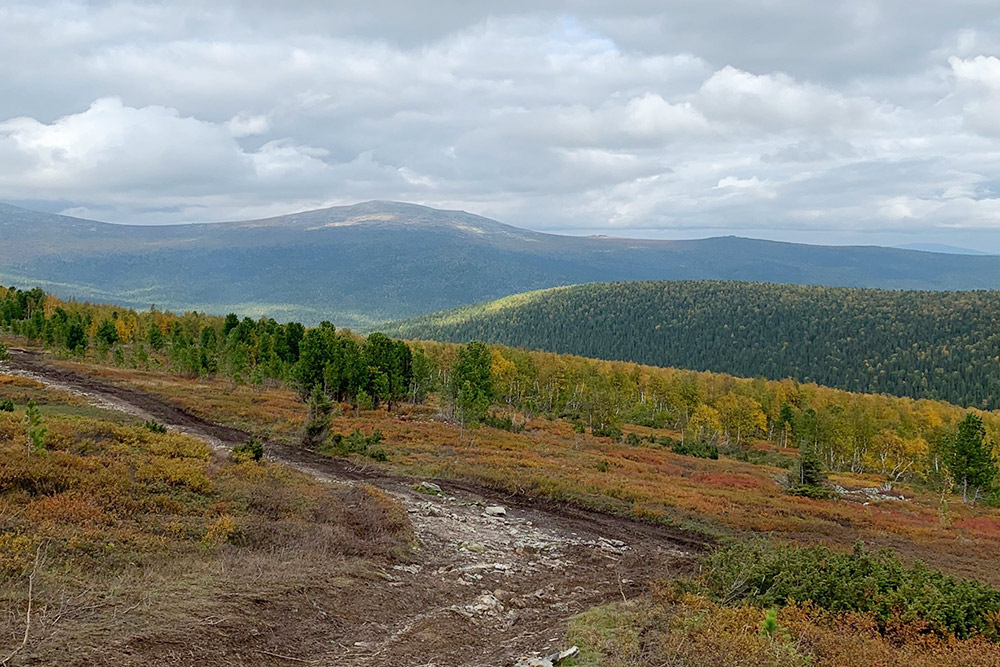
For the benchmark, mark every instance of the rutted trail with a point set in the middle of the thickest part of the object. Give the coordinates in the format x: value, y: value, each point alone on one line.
x: 486, y: 585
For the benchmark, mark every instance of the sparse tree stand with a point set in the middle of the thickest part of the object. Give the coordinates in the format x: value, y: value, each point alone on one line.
x: 970, y: 458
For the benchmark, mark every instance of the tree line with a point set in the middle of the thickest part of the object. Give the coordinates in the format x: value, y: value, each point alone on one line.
x: 896, y: 437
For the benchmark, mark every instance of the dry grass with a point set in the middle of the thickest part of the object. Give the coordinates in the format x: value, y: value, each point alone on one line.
x: 152, y: 549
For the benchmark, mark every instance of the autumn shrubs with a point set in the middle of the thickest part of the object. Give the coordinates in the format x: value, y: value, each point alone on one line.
x: 873, y: 583
x: 760, y: 603
x: 608, y: 430
x: 106, y: 495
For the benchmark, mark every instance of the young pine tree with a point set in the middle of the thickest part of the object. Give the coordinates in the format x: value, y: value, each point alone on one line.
x: 36, y: 432
x: 317, y: 427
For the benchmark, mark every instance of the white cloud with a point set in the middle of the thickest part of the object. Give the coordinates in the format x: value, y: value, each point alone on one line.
x: 978, y: 84
x: 112, y: 146
x: 151, y: 154
x: 776, y: 102
x: 601, y: 116
x: 245, y: 125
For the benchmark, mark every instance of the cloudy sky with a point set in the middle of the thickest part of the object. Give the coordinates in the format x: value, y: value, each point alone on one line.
x: 838, y: 122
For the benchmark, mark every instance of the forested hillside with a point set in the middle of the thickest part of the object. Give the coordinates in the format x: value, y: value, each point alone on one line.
x: 361, y: 265
x: 880, y: 434
x: 943, y: 345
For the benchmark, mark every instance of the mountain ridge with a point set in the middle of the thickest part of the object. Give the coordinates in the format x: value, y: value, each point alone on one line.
x: 377, y: 261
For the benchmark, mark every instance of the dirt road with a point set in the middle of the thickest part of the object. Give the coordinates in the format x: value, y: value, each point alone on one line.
x: 496, y: 577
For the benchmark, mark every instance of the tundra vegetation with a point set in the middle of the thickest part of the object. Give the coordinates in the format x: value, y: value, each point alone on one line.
x: 904, y: 574
x: 124, y: 542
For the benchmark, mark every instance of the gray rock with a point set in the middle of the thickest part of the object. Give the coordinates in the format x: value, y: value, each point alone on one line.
x: 429, y: 487
x: 496, y: 510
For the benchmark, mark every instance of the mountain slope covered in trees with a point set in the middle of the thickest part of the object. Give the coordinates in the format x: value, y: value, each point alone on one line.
x: 378, y: 261
x: 922, y: 344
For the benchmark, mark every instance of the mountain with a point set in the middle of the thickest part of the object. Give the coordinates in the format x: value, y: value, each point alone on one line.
x: 377, y: 261
x: 942, y: 248
x: 922, y: 344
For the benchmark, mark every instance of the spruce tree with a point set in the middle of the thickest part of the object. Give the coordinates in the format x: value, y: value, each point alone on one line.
x: 969, y: 458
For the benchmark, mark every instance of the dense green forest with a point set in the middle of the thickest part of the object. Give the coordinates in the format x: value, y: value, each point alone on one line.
x: 497, y: 385
x: 943, y: 345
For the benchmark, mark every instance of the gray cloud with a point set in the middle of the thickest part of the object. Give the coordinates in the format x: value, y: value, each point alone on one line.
x: 832, y: 122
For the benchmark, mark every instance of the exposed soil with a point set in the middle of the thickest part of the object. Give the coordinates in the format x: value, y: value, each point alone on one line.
x: 480, y: 590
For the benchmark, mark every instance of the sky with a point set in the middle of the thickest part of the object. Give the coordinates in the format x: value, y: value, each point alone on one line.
x: 834, y: 122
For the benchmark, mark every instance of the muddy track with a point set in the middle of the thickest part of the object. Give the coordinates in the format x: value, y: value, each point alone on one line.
x: 499, y: 586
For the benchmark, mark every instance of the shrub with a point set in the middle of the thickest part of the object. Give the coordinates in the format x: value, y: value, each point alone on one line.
x: 221, y: 531
x: 154, y: 426
x: 697, y: 449
x: 632, y: 440
x: 318, y: 419
x: 357, y: 443
x: 251, y: 450
x: 6, y: 405
x: 505, y: 423
x: 875, y: 583
x: 764, y: 457
x: 607, y: 431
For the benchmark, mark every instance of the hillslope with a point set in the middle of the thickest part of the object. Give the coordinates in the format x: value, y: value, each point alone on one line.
x: 378, y: 261
x: 943, y: 345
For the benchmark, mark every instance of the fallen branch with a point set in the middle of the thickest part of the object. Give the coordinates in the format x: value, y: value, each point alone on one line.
x: 283, y: 657
x: 27, y: 621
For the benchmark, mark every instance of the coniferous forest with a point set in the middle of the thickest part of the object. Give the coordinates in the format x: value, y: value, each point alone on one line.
x: 922, y: 344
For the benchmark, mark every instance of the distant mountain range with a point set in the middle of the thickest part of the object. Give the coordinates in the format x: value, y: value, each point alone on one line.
x: 943, y: 248
x: 923, y: 344
x: 378, y: 261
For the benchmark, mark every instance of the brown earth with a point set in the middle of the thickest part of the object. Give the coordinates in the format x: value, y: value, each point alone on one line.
x: 479, y: 589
